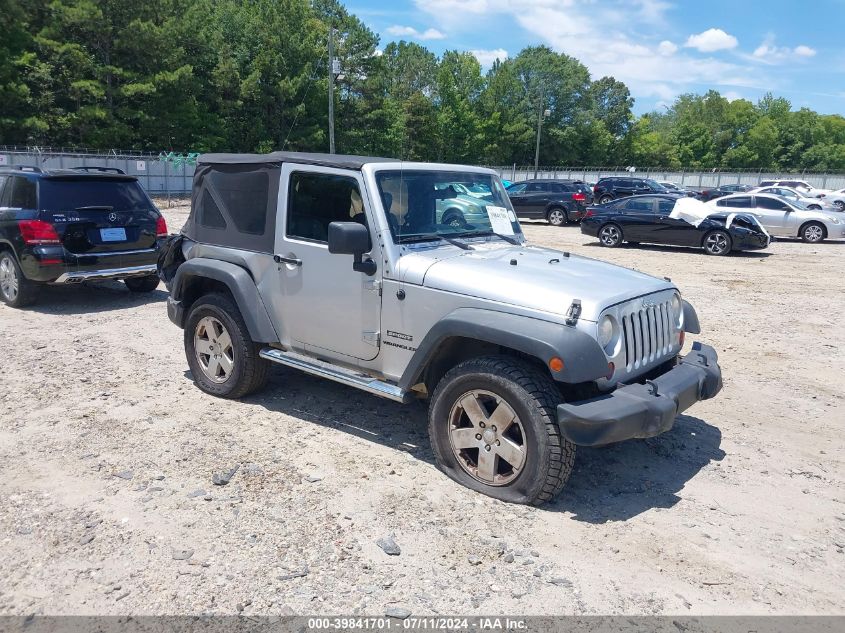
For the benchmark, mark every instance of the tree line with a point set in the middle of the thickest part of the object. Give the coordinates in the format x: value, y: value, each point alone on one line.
x: 252, y: 75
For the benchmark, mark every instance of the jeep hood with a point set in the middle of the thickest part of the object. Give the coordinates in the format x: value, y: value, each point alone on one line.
x: 531, y: 277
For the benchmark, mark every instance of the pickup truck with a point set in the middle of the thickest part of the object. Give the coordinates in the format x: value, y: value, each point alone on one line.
x: 341, y: 267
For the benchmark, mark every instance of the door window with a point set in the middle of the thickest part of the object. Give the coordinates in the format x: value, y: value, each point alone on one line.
x: 4, y: 197
x: 536, y: 187
x: 771, y: 203
x: 317, y: 200
x: 640, y: 205
x: 517, y: 188
x: 742, y: 202
x: 664, y: 207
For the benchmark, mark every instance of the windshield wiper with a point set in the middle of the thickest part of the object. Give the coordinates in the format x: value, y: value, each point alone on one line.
x: 422, y: 237
x: 508, y: 238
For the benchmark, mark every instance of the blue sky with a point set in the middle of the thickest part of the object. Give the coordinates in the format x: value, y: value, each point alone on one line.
x: 659, y: 48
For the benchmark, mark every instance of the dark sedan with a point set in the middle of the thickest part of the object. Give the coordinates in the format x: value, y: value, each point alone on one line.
x: 710, y: 193
x: 647, y: 219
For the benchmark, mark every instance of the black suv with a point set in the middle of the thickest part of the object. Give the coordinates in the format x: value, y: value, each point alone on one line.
x: 558, y: 201
x: 71, y: 225
x: 607, y: 189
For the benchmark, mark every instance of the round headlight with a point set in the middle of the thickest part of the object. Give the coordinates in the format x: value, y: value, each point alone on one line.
x: 607, y: 334
x: 677, y: 310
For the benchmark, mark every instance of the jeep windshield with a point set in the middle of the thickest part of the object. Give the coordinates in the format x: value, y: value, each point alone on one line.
x: 423, y: 205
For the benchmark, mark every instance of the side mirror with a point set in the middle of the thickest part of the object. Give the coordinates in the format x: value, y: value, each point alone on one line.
x: 351, y: 238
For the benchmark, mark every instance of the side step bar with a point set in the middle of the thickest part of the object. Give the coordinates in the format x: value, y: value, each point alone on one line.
x: 338, y: 374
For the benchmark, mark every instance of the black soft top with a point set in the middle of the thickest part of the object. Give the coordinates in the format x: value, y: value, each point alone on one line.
x: 339, y: 161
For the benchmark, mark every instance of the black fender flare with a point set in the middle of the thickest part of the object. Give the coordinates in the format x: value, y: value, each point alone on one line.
x: 583, y: 359
x: 691, y: 323
x: 239, y: 282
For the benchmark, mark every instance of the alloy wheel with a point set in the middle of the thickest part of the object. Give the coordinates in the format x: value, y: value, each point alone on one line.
x: 8, y: 279
x: 214, y: 350
x: 716, y: 243
x: 610, y: 235
x: 556, y: 217
x: 487, y: 438
x: 813, y: 233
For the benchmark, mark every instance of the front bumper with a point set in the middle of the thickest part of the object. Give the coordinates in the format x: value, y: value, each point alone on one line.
x: 643, y: 410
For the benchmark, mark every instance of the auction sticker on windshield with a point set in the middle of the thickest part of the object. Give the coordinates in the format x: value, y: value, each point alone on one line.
x: 499, y: 220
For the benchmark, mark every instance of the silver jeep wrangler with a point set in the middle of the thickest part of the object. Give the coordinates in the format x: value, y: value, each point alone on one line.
x: 343, y: 267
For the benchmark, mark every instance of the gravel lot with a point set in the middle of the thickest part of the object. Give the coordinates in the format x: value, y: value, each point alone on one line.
x: 107, y: 452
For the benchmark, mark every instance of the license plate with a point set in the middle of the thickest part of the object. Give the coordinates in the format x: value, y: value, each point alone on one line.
x: 113, y: 235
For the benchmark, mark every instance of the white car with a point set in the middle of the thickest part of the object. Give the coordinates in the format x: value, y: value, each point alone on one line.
x: 803, y: 185
x: 783, y: 218
x: 837, y: 199
x: 799, y: 196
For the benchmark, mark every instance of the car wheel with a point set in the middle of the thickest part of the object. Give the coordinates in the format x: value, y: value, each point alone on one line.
x: 605, y: 199
x: 142, y: 284
x: 223, y: 359
x: 717, y: 243
x: 493, y: 427
x: 557, y: 216
x: 15, y: 290
x: 610, y: 235
x: 814, y: 207
x: 455, y: 218
x: 812, y: 232
x: 840, y: 204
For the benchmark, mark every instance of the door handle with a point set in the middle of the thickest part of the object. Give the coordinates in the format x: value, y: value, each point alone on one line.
x: 280, y: 259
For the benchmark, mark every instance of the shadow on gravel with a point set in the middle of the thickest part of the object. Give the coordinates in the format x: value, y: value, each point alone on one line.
x: 329, y: 404
x: 91, y: 297
x: 622, y: 480
x: 659, y: 248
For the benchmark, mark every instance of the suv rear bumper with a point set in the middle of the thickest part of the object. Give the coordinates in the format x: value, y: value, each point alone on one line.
x: 108, y: 273
x: 55, y: 264
x: 643, y: 410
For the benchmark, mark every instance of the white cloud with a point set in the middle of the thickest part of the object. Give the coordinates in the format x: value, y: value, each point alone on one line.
x: 607, y: 39
x: 409, y: 31
x: 486, y: 58
x: 667, y: 48
x: 711, y: 40
x: 769, y: 53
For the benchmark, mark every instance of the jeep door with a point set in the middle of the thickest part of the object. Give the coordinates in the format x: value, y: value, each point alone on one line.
x: 326, y: 307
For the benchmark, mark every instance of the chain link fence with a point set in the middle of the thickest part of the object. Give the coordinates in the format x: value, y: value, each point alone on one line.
x: 166, y: 175
x: 692, y: 178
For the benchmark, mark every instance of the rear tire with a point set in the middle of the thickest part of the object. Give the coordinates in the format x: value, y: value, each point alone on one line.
x: 813, y: 232
x: 142, y: 284
x: 610, y: 235
x: 717, y: 243
x: 557, y: 216
x: 840, y: 204
x: 605, y: 199
x: 16, y: 290
x: 223, y: 358
x: 528, y: 460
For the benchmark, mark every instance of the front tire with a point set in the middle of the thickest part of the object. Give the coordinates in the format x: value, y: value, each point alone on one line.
x: 493, y: 427
x: 223, y: 358
x: 557, y: 216
x: 142, y: 284
x: 717, y: 243
x: 840, y: 204
x: 610, y: 235
x: 813, y: 232
x: 454, y: 218
x: 16, y: 290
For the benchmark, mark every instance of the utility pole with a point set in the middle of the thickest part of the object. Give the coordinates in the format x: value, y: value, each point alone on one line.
x: 331, y: 89
x: 540, y: 114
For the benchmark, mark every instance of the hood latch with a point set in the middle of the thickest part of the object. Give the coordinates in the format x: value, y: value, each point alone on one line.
x: 574, y: 312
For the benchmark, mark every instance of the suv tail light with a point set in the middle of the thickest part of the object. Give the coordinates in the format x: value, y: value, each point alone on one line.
x: 579, y: 196
x: 595, y: 188
x: 161, y: 227
x: 38, y: 232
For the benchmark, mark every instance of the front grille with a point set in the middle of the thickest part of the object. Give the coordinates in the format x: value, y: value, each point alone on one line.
x: 646, y: 333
